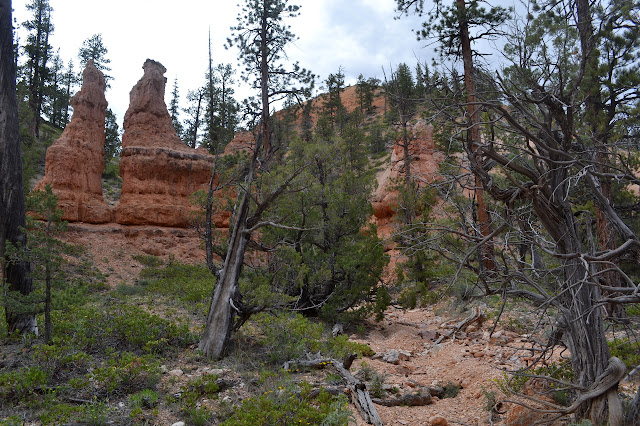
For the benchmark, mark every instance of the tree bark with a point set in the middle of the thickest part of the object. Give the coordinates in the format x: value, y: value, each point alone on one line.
x: 484, y: 221
x: 217, y: 332
x: 12, y: 208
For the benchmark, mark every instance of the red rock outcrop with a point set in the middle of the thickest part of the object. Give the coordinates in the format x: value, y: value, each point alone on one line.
x: 424, y: 167
x: 159, y: 172
x: 75, y: 162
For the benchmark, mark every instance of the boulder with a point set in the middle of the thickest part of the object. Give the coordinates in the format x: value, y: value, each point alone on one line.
x: 159, y: 172
x: 75, y: 162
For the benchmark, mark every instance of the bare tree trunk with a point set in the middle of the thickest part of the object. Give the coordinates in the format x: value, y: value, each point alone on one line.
x: 220, y: 318
x: 12, y: 209
x: 484, y: 221
x: 221, y: 313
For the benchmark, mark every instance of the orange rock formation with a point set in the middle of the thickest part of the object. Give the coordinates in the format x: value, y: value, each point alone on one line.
x: 424, y: 167
x: 159, y: 172
x: 75, y: 161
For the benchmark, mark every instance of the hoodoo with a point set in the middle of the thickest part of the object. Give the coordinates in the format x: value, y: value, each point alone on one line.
x: 75, y: 162
x: 159, y: 172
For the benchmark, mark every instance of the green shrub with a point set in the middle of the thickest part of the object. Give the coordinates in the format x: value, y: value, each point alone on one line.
x: 187, y: 283
x: 59, y: 413
x: 450, y: 390
x: 146, y: 398
x: 22, y: 384
x: 95, y: 414
x: 627, y: 350
x: 126, y: 373
x: 56, y: 359
x: 285, y: 336
x: 288, y: 408
x: 122, y: 327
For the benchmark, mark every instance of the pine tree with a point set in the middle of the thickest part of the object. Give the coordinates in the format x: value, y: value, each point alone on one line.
x: 93, y: 49
x: 261, y: 37
x: 70, y: 79
x: 194, y: 111
x: 174, y: 108
x: 332, y: 105
x: 112, y: 141
x: 38, y: 50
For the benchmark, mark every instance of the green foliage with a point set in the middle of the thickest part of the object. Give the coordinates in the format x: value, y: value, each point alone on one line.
x: 126, y: 373
x: 286, y: 337
x: 451, y: 390
x: 146, y: 398
x: 124, y: 327
x: 628, y: 350
x: 95, y: 414
x: 22, y: 384
x: 288, y: 408
x: 376, y: 386
x: 191, y: 284
x: 336, y: 265
x: 60, y: 360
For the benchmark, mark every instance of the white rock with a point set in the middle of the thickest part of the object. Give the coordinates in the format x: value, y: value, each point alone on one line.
x: 176, y: 372
x: 391, y: 356
x: 178, y: 424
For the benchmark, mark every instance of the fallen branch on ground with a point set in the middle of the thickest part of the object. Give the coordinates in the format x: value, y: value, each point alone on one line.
x: 408, y: 399
x: 476, y: 315
x: 357, y: 390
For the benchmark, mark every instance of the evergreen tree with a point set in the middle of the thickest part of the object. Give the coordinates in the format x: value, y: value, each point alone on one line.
x: 333, y: 106
x: 56, y: 99
x: 112, y: 141
x: 174, y: 108
x: 70, y: 79
x: 365, y: 91
x: 261, y: 37
x: 93, y: 49
x: 194, y: 111
x: 452, y: 25
x: 38, y: 50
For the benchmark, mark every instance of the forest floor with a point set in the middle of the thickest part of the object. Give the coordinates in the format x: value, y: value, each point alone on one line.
x: 473, y: 361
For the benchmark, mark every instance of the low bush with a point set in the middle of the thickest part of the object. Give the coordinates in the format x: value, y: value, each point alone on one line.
x: 125, y: 373
x: 290, y: 336
x: 285, y: 407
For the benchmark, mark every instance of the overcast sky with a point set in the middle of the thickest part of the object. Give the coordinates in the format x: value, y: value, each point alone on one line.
x: 359, y: 35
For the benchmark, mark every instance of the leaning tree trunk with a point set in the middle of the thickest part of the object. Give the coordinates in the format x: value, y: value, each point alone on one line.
x: 12, y: 209
x: 221, y: 312
x: 220, y: 319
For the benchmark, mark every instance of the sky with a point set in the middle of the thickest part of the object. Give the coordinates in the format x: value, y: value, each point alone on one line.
x: 361, y: 36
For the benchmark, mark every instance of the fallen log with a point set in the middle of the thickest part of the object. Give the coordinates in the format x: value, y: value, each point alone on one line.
x: 476, y: 315
x: 357, y: 389
x: 408, y: 399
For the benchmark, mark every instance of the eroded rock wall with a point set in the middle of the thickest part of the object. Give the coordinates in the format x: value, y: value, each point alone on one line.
x: 75, y: 161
